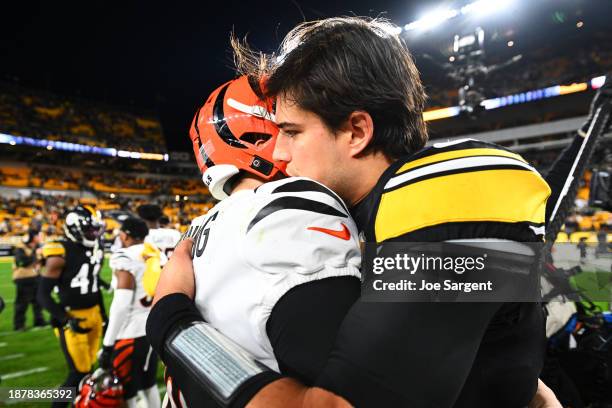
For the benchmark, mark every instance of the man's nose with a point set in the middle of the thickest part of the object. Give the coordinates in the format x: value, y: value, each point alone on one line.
x: 281, y: 153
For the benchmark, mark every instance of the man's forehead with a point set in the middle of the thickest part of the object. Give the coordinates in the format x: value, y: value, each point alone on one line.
x: 285, y: 117
x: 289, y: 113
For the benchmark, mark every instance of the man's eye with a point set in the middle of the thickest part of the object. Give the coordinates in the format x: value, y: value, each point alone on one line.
x: 290, y: 133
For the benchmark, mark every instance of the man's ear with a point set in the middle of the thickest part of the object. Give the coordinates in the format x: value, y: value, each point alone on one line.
x: 361, y: 127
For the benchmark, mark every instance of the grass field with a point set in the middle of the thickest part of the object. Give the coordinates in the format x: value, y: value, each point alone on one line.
x: 32, y: 358
x: 596, y: 285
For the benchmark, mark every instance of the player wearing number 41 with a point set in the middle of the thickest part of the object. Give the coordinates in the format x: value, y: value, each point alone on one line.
x: 125, y: 349
x: 72, y: 265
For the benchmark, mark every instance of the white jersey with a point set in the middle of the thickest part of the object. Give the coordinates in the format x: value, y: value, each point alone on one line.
x: 165, y: 239
x: 130, y: 259
x: 254, y: 246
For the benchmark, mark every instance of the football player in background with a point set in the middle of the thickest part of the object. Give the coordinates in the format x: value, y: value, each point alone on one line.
x: 158, y: 245
x: 25, y: 277
x: 162, y: 237
x: 72, y: 264
x: 125, y: 349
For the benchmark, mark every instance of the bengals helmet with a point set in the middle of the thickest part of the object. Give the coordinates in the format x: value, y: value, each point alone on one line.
x: 234, y: 131
x: 84, y: 225
x: 101, y: 389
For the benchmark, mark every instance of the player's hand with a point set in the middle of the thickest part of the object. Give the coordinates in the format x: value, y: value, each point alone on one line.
x: 104, y: 357
x: 73, y: 324
x: 544, y: 398
x: 177, y: 275
x: 104, y: 284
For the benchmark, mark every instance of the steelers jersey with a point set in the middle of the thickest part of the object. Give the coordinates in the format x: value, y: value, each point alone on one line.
x: 466, y: 189
x: 78, y: 284
x: 164, y: 238
x: 460, y: 191
x: 130, y: 259
x: 256, y: 245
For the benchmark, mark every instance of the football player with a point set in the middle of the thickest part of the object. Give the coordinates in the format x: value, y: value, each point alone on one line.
x: 125, y: 349
x: 72, y: 264
x: 162, y: 237
x: 277, y: 260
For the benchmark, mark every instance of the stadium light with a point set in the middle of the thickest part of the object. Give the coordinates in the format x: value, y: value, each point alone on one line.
x: 598, y: 82
x: 79, y: 148
x: 432, y: 19
x: 483, y: 7
x: 477, y: 8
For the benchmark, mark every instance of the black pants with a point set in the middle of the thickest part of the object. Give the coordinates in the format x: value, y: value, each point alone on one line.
x: 26, y: 294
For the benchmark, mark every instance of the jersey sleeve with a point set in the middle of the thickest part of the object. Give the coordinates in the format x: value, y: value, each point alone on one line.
x: 303, y: 324
x: 53, y: 248
x: 122, y: 260
x: 303, y: 235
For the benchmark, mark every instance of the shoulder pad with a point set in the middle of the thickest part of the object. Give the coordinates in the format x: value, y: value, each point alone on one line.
x: 123, y: 259
x: 299, y: 193
x: 53, y: 248
x: 299, y: 185
x: 460, y: 181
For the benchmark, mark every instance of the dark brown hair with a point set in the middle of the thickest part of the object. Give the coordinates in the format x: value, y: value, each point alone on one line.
x: 337, y: 66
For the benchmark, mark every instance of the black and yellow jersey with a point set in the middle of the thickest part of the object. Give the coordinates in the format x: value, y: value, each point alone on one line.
x: 461, y: 190
x: 444, y: 354
x: 78, y: 284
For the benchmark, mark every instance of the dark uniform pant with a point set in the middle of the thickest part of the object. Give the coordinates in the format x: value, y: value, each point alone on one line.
x: 26, y: 295
x: 80, y: 349
x: 135, y: 362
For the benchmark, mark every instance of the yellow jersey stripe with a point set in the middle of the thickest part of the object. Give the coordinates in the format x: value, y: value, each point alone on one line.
x: 501, y: 195
x: 461, y: 164
x: 455, y: 154
x: 53, y: 249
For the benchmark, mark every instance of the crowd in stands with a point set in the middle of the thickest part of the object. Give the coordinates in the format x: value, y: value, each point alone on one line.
x: 100, y: 181
x: 43, y: 115
x: 45, y: 213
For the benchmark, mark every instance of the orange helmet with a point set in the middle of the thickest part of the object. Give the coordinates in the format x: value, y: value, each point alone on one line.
x: 101, y: 389
x: 234, y: 131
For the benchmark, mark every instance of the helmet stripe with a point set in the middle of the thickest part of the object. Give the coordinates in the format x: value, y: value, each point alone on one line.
x: 207, y: 160
x: 220, y: 122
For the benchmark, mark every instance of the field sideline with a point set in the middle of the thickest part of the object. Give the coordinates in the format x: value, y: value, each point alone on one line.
x: 33, y: 358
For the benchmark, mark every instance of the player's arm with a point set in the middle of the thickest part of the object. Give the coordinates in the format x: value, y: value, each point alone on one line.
x: 544, y: 398
x: 303, y: 324
x: 21, y: 259
x: 121, y: 264
x: 54, y: 265
x: 290, y: 393
x: 174, y: 313
x: 285, y: 392
x: 177, y: 274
